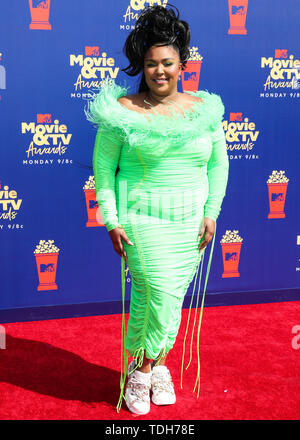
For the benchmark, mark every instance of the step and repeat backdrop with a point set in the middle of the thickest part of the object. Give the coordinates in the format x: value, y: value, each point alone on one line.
x: 53, y: 56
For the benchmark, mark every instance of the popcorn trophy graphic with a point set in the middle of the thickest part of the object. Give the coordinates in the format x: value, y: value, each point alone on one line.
x: 191, y: 75
x: 231, y: 244
x: 46, y: 254
x: 93, y: 211
x: 277, y: 187
x: 237, y: 15
x: 39, y: 10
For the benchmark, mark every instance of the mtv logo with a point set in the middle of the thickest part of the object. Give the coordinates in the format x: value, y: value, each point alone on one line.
x: 277, y: 197
x: 93, y: 204
x: 190, y: 76
x: 230, y: 256
x: 238, y: 10
x: 236, y: 116
x: 280, y: 53
x: 47, y: 267
x: 43, y: 118
x: 40, y: 4
x: 92, y: 50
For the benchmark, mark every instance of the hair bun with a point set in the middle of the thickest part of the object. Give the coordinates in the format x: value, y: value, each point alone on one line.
x: 156, y: 24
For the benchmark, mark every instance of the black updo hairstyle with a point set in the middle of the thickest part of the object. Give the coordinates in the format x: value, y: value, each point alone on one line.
x: 157, y: 26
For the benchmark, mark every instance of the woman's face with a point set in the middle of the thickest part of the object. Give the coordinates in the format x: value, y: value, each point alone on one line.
x: 162, y: 67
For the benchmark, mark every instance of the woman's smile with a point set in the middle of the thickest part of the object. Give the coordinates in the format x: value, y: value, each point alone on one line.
x: 160, y: 81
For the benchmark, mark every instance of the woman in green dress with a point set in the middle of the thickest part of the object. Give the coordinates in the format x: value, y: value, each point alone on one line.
x: 161, y: 169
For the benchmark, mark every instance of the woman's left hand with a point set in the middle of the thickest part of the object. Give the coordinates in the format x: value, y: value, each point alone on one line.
x: 207, y: 231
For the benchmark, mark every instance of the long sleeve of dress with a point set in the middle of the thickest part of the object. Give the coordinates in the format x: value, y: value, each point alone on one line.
x: 217, y: 173
x: 105, y: 161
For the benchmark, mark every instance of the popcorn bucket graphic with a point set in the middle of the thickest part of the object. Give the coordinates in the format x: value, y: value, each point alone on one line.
x: 191, y: 75
x: 277, y: 186
x: 231, y: 249
x: 46, y: 254
x: 277, y: 195
x: 39, y: 10
x: 237, y: 15
x: 46, y: 265
x: 231, y: 257
x: 93, y: 211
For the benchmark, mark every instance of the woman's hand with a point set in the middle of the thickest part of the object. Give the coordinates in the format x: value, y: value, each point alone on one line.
x: 116, y: 236
x: 207, y: 231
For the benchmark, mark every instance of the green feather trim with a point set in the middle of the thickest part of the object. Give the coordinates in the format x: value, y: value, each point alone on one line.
x: 153, y: 130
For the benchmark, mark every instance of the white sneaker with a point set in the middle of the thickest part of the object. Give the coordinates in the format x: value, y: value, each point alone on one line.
x: 162, y: 386
x: 137, y: 394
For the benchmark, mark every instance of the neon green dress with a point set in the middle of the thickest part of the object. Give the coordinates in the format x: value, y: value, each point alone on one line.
x: 157, y: 176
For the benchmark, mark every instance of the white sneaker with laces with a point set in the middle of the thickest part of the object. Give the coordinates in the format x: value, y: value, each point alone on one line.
x: 162, y: 386
x: 137, y: 394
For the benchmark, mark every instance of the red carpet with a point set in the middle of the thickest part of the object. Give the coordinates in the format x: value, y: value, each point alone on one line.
x: 69, y: 368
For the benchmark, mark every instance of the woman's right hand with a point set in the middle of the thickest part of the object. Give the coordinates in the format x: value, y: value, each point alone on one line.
x: 116, y: 236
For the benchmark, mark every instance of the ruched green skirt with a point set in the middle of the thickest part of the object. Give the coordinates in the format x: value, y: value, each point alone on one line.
x: 163, y: 221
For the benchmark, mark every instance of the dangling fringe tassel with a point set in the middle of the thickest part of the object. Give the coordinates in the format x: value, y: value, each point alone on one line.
x: 196, y: 309
x: 138, y: 357
x: 124, y: 353
x: 160, y: 356
x: 201, y: 312
x: 200, y: 317
x: 138, y: 354
x: 188, y: 321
